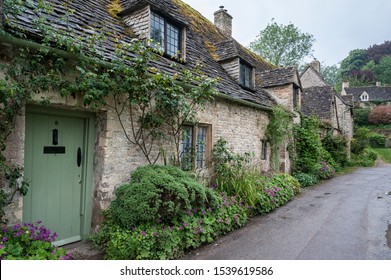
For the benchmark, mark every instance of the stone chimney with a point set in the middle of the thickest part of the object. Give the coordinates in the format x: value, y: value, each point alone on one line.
x: 345, y: 84
x: 223, y: 21
x: 316, y: 65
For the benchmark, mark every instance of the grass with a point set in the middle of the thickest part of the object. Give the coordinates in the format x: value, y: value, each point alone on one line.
x: 385, y: 154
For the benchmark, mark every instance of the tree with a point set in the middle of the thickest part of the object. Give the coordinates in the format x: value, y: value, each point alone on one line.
x: 283, y: 45
x: 383, y: 70
x: 330, y: 74
x: 355, y: 61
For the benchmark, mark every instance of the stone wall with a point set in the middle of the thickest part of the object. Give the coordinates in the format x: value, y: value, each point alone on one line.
x: 311, y: 79
x: 283, y: 95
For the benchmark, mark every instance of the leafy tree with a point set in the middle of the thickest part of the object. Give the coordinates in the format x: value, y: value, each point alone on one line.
x: 355, y: 60
x: 383, y: 70
x: 377, y: 52
x: 283, y: 45
x: 330, y: 74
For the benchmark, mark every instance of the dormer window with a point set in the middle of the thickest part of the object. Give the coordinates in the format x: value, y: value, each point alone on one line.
x: 364, y: 97
x: 246, y: 75
x: 165, y: 35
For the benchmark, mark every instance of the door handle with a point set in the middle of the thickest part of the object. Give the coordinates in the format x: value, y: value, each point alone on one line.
x: 78, y: 157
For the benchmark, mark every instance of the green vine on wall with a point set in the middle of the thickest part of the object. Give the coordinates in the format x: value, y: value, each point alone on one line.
x: 276, y: 131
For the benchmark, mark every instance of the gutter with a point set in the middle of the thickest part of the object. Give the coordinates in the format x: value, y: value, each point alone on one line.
x: 4, y: 38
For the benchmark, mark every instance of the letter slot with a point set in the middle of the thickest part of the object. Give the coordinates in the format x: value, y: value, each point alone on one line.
x: 78, y: 157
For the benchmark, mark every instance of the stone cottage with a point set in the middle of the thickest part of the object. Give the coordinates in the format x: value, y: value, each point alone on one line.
x: 75, y: 157
x: 365, y: 96
x: 320, y: 99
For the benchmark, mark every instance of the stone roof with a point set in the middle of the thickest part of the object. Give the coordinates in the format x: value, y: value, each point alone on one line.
x: 347, y: 99
x: 279, y: 77
x: 90, y: 18
x: 375, y: 93
x: 318, y: 101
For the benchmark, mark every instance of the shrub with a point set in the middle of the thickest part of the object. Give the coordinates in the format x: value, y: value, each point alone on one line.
x: 189, y: 229
x: 361, y: 116
x: 31, y: 241
x: 380, y: 115
x: 360, y: 140
x: 377, y: 140
x: 305, y: 179
x: 158, y: 193
x: 276, y: 191
x: 338, y: 148
x: 324, y: 171
x: 366, y: 159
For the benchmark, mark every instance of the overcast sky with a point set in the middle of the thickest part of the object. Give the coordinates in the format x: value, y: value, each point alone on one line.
x: 338, y: 26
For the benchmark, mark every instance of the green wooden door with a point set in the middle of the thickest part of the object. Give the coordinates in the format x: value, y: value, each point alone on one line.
x: 54, y: 165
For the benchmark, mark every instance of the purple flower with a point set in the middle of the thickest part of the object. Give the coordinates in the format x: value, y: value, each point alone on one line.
x: 5, y: 239
x: 143, y: 233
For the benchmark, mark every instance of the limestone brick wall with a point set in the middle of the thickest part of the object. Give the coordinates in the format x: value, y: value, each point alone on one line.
x: 139, y: 22
x: 311, y: 79
x: 283, y: 95
x: 243, y: 127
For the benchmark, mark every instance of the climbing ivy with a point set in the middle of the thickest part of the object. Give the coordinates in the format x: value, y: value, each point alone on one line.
x: 277, y: 130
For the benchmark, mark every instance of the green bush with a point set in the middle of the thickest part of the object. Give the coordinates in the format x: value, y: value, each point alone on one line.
x: 366, y: 158
x: 361, y: 116
x: 377, y: 140
x: 360, y: 140
x: 305, y: 179
x: 324, y: 171
x: 276, y: 191
x: 338, y: 149
x: 187, y: 230
x: 158, y: 193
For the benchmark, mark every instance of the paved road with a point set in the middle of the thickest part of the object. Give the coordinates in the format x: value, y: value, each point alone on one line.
x: 346, y: 218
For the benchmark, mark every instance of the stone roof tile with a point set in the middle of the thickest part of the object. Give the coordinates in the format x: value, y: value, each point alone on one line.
x: 90, y: 18
x: 317, y: 101
x: 375, y: 93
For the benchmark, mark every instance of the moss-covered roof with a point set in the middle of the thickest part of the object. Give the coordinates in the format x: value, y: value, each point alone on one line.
x: 88, y: 19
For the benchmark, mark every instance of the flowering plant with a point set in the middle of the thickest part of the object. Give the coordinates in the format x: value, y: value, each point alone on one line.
x: 30, y: 241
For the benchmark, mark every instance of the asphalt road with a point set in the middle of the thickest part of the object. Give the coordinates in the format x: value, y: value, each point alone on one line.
x: 345, y: 218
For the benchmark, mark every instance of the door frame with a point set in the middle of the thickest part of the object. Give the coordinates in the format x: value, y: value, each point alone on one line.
x: 88, y: 158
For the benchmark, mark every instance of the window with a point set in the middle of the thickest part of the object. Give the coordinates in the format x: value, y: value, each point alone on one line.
x: 195, y: 145
x: 246, y: 75
x: 264, y: 150
x: 165, y: 35
x: 364, y: 97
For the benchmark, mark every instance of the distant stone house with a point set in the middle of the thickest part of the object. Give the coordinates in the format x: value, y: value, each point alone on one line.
x: 69, y: 197
x: 368, y: 96
x: 321, y: 100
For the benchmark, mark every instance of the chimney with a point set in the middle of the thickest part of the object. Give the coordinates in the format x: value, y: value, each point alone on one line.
x: 378, y: 84
x: 223, y: 21
x: 316, y: 65
x: 345, y: 85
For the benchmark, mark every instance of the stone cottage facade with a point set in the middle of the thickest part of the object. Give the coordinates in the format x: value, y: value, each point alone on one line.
x: 321, y: 100
x: 75, y: 157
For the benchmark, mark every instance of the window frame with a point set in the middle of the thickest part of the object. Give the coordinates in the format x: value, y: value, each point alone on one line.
x: 264, y: 149
x: 364, y: 96
x: 246, y: 66
x: 195, y: 148
x: 167, y: 24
